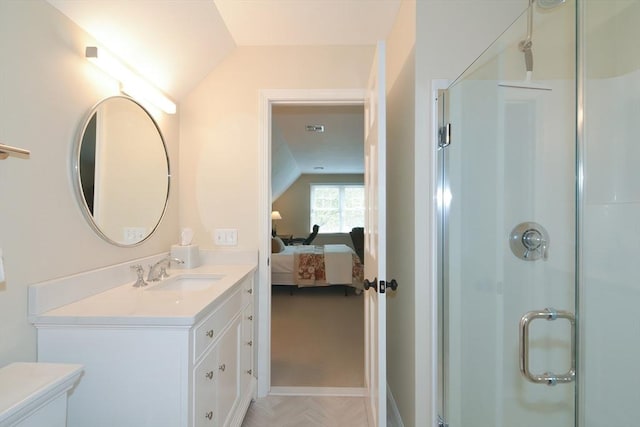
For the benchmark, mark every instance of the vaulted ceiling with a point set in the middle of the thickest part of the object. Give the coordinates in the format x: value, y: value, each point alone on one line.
x: 176, y: 43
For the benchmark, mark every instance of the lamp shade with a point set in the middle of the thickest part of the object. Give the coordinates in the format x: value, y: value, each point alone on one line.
x: 276, y: 215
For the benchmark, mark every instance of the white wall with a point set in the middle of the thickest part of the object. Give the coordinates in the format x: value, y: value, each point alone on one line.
x: 610, y: 343
x: 47, y: 90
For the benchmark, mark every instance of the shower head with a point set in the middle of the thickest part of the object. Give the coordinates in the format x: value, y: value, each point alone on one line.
x: 549, y: 4
x: 526, y: 44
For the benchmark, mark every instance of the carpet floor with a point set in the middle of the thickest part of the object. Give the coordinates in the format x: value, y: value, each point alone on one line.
x: 317, y: 337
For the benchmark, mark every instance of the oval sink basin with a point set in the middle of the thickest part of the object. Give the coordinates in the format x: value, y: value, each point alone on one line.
x: 185, y: 283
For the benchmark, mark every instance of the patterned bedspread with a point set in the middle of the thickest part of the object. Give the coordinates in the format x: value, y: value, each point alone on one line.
x: 309, y: 266
x: 313, y: 267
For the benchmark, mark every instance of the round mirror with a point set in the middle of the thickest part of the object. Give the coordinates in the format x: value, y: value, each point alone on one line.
x: 122, y: 171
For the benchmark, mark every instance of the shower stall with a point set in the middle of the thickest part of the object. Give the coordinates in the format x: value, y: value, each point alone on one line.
x: 539, y: 223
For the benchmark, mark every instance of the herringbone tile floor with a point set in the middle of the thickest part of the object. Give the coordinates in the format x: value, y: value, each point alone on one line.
x: 307, y: 411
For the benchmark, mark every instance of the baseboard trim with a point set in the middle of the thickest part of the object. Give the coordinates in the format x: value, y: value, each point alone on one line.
x: 393, y: 413
x: 319, y: 391
x: 243, y: 405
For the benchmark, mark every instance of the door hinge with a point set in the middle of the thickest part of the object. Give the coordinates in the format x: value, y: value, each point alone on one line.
x: 442, y: 422
x: 444, y: 136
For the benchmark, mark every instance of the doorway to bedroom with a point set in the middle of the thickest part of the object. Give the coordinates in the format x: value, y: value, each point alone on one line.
x: 317, y: 327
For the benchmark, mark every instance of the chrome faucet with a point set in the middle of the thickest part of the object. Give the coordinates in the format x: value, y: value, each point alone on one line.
x: 140, y: 271
x: 158, y: 271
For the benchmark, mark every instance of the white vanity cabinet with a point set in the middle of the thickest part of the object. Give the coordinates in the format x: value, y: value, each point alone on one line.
x: 160, y: 374
x: 216, y: 378
x: 221, y: 369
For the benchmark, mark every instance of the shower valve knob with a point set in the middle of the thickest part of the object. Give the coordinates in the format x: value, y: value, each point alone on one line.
x: 529, y: 241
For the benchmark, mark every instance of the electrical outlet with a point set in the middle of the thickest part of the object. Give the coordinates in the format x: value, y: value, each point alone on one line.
x: 134, y: 234
x: 225, y: 236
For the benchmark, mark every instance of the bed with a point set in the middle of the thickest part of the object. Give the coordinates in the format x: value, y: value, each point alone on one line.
x: 317, y: 266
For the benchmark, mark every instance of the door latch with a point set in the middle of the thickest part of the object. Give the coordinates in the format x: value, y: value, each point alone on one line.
x: 380, y: 287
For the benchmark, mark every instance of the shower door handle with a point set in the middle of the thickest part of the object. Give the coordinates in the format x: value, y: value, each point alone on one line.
x: 548, y: 378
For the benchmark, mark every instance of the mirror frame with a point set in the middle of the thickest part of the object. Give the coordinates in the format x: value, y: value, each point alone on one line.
x: 77, y: 180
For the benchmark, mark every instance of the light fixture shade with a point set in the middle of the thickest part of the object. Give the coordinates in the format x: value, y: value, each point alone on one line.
x: 130, y: 83
x: 276, y: 215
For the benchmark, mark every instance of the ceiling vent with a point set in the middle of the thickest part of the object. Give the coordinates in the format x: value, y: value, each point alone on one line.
x: 315, y: 128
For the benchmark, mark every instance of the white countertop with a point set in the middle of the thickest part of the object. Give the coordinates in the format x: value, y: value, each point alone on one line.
x: 26, y: 386
x: 126, y: 305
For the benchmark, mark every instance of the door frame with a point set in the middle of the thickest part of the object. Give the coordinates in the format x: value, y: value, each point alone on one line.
x: 268, y: 98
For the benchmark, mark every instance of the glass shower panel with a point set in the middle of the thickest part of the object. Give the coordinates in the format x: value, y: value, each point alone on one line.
x: 610, y: 288
x: 511, y: 162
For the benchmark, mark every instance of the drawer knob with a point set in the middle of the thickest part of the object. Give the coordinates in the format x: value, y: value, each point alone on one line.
x: 222, y: 367
x: 209, y: 415
x: 250, y: 343
x: 209, y: 375
x: 210, y: 333
x: 250, y: 291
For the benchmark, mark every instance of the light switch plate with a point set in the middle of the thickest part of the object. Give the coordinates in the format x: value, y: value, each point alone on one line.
x: 226, y: 236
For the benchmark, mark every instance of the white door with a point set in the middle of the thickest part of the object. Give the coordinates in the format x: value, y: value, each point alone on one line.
x: 375, y: 240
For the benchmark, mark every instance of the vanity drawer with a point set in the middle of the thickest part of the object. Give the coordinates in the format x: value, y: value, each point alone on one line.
x: 205, y: 377
x: 246, y: 287
x: 209, y: 329
x: 247, y: 347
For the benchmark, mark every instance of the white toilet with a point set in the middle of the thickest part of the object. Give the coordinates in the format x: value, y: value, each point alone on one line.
x: 35, y: 394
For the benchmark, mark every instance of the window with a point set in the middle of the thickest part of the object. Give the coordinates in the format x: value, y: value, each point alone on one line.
x: 337, y: 208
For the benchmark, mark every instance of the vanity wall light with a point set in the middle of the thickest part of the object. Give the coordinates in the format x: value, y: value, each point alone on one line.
x: 130, y: 83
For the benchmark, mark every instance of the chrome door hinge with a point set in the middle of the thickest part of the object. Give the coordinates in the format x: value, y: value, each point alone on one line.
x: 444, y: 136
x: 442, y: 422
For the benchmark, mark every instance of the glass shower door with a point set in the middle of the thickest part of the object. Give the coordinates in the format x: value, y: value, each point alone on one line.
x: 507, y: 199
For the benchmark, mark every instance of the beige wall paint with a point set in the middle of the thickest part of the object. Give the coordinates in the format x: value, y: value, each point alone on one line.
x: 294, y: 204
x: 223, y: 146
x: 219, y: 133
x: 401, y: 313
x: 47, y: 90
